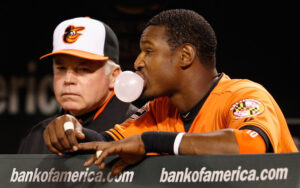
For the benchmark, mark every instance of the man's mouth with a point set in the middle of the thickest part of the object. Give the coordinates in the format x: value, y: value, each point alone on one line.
x: 140, y: 74
x: 69, y: 94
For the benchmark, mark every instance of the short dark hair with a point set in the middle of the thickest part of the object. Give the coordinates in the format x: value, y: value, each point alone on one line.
x: 186, y: 26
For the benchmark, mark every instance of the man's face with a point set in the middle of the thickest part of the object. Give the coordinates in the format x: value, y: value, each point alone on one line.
x: 80, y: 85
x: 156, y: 63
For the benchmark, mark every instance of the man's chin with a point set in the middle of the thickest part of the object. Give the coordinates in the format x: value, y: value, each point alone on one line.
x: 75, y: 112
x: 145, y: 96
x: 72, y: 109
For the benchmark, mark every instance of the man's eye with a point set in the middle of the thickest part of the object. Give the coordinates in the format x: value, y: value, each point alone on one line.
x: 83, y: 69
x: 60, y: 68
x: 148, y: 51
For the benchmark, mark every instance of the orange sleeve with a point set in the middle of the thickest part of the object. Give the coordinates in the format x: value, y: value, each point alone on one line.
x: 255, y: 107
x: 138, y: 123
x: 249, y: 141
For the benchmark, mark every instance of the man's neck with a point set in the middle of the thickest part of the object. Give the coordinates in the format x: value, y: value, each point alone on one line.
x: 189, y: 96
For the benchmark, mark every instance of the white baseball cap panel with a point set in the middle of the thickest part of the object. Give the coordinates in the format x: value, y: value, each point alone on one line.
x: 86, y: 38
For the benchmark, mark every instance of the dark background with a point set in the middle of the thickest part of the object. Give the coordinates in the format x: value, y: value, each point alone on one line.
x: 256, y: 40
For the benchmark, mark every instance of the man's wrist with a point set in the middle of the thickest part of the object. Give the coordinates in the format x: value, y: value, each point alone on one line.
x: 162, y: 142
x: 177, y: 143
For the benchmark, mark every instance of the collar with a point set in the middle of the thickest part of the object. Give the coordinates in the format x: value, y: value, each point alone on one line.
x: 95, y: 113
x: 104, y: 105
x: 190, y: 115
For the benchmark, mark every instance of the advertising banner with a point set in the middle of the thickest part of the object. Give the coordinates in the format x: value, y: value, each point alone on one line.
x: 265, y: 170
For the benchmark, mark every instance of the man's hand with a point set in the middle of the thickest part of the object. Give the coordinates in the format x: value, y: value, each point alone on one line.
x: 130, y: 150
x: 58, y: 140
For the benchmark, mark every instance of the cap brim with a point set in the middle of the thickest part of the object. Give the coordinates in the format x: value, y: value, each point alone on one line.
x: 78, y: 53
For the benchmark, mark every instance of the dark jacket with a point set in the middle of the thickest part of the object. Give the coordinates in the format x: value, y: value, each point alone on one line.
x: 115, y: 112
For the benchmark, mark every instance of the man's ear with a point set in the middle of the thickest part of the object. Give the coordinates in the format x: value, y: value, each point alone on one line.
x: 113, y: 75
x: 187, y: 55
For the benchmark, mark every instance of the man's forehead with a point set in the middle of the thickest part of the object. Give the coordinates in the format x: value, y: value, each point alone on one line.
x: 152, y: 33
x: 68, y: 59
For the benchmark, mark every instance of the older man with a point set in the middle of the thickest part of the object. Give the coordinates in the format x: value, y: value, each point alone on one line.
x: 85, y: 64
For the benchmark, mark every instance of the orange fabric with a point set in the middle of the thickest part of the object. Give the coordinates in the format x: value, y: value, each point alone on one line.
x: 246, y: 139
x: 78, y: 53
x: 112, y: 135
x: 115, y: 134
x: 104, y: 105
x: 222, y: 109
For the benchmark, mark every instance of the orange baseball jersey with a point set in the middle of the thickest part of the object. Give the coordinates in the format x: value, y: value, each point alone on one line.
x: 233, y: 103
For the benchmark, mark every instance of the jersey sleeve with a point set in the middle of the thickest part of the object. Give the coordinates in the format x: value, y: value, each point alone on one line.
x: 143, y: 120
x: 254, y: 107
x: 247, y: 138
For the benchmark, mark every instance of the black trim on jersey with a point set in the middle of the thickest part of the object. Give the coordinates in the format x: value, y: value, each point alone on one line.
x: 113, y: 134
x: 190, y: 116
x: 119, y: 133
x: 269, y: 147
x: 107, y: 136
x: 116, y: 135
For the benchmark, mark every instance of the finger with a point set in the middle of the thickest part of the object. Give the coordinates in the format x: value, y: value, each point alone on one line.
x: 62, y: 137
x: 78, y: 130
x: 73, y: 132
x: 118, y: 167
x: 106, y: 151
x: 98, y: 154
x: 53, y: 139
x: 80, y: 135
x: 69, y: 150
x: 72, y: 139
x: 90, y: 161
x: 68, y: 125
x: 102, y: 165
x: 48, y: 143
x: 101, y: 151
x: 89, y: 145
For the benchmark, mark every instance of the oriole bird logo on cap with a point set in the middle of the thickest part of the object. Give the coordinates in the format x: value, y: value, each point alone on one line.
x: 71, y: 34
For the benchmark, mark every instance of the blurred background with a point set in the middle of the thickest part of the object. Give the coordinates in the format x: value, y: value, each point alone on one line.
x: 256, y: 40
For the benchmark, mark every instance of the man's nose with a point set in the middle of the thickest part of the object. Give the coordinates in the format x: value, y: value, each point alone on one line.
x: 139, y: 62
x: 70, y: 77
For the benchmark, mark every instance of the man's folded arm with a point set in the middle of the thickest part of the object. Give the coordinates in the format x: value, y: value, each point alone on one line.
x: 91, y: 135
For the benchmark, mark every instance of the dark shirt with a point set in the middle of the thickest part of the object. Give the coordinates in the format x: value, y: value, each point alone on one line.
x: 115, y: 112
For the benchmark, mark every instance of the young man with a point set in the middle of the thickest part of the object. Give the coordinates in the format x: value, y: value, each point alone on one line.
x: 195, y: 109
x: 85, y: 64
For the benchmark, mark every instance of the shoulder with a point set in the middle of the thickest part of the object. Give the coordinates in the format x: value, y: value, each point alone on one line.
x: 41, y: 125
x: 131, y: 110
x: 232, y: 93
x: 44, y: 123
x: 35, y: 135
x: 115, y: 112
x: 236, y: 86
x: 120, y: 108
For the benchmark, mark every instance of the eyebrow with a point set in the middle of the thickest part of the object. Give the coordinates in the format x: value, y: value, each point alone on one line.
x: 146, y: 42
x: 84, y: 63
x: 56, y: 62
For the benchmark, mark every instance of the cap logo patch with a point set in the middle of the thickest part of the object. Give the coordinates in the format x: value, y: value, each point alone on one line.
x: 71, y: 34
x: 246, y: 108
